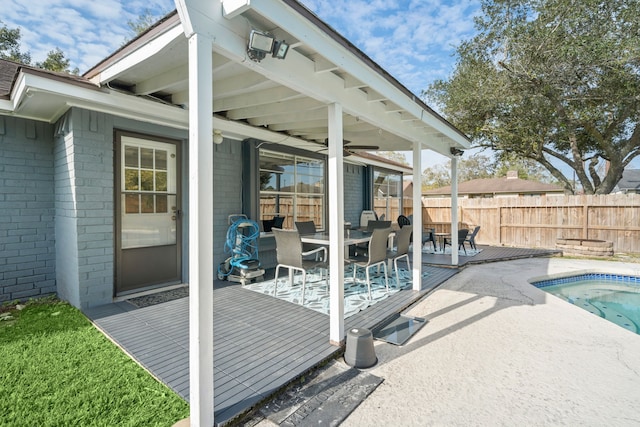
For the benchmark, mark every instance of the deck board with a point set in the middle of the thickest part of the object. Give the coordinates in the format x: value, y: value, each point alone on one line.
x: 261, y: 343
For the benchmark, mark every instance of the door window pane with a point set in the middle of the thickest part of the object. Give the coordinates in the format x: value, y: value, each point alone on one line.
x: 146, y: 158
x: 146, y: 180
x: 161, y: 160
x: 131, y: 204
x: 147, y: 205
x: 131, y: 156
x: 131, y: 180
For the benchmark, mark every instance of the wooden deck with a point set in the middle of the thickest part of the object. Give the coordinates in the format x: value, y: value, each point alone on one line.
x: 261, y: 343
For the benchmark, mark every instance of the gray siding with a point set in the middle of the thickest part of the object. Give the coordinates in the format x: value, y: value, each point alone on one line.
x: 227, y: 193
x: 84, y: 208
x: 353, y: 193
x: 26, y: 210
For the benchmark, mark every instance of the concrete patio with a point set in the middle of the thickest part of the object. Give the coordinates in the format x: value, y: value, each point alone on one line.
x: 498, y: 351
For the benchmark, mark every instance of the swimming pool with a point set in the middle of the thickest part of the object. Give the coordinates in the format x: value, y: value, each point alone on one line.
x: 611, y: 296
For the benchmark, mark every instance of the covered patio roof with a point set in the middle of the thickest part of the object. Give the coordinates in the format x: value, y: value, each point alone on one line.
x: 280, y: 101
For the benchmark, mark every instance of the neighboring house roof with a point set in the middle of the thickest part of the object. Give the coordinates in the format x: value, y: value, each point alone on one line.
x: 630, y: 182
x: 496, y: 186
x: 372, y: 159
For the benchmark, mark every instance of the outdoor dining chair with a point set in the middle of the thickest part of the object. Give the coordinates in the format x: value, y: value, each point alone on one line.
x: 363, y: 248
x: 402, y: 250
x: 462, y: 237
x: 290, y: 255
x: 376, y: 256
x: 308, y: 227
x: 471, y: 238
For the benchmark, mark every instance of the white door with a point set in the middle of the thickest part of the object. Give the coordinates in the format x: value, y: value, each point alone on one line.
x: 147, y: 213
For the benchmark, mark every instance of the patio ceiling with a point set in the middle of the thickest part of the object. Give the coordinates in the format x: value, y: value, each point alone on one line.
x: 279, y: 101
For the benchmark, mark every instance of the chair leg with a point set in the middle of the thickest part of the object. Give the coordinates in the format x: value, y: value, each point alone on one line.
x: 395, y: 265
x: 386, y: 276
x: 275, y: 287
x: 368, y: 281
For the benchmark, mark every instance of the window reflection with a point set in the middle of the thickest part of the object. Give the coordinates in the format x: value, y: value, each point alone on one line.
x: 292, y: 186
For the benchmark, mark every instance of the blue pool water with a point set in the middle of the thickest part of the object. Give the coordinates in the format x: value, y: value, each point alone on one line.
x: 611, y: 296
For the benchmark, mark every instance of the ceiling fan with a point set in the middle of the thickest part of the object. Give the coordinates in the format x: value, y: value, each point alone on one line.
x: 348, y: 149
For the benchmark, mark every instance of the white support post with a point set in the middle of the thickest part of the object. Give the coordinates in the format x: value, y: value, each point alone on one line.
x: 336, y: 226
x: 454, y: 210
x: 200, y: 231
x: 417, y: 217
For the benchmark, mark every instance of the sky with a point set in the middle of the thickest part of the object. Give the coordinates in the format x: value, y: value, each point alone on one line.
x: 414, y: 40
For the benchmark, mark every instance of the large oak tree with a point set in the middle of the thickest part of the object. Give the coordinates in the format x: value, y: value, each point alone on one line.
x: 555, y: 81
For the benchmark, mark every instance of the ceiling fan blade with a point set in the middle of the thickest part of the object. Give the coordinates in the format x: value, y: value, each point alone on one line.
x: 362, y: 147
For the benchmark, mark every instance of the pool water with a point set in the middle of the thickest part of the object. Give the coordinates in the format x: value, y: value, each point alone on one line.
x: 613, y: 297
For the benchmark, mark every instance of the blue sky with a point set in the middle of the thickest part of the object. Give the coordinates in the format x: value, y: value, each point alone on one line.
x: 414, y: 40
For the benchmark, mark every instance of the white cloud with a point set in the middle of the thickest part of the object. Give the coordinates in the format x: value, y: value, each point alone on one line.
x: 86, y: 32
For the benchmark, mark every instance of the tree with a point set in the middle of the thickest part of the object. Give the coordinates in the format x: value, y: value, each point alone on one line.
x: 526, y: 168
x: 476, y: 166
x: 395, y: 156
x: 553, y: 81
x: 10, y: 45
x: 10, y: 49
x: 56, y: 61
x: 143, y: 23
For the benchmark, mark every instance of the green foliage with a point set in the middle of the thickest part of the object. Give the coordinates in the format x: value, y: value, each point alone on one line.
x: 553, y: 81
x: 395, y: 156
x: 480, y: 166
x: 10, y: 45
x: 56, y: 61
x: 143, y: 23
x: 57, y: 369
x: 10, y: 49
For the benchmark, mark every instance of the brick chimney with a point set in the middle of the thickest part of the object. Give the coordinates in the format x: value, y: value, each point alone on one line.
x: 512, y: 174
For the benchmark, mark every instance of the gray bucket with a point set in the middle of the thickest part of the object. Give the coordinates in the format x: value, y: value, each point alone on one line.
x: 359, y: 352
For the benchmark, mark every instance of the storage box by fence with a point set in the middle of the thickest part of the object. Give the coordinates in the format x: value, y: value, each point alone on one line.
x: 539, y: 221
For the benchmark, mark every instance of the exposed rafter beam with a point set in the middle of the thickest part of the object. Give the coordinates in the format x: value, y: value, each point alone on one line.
x: 279, y: 107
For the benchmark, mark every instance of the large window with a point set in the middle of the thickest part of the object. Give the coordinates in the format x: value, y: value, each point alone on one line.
x: 293, y: 187
x: 387, y: 194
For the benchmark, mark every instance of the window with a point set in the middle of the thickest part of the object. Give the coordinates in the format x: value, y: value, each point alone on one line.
x: 292, y: 186
x: 387, y: 194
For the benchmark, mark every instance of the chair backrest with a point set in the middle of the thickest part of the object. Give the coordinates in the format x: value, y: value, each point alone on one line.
x: 306, y: 227
x: 462, y: 235
x: 367, y: 216
x: 288, y: 247
x: 378, y: 245
x: 373, y: 225
x: 403, y: 237
x: 474, y: 232
x: 403, y: 220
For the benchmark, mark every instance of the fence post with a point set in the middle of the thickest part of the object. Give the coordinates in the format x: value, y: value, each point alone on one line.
x: 585, y: 219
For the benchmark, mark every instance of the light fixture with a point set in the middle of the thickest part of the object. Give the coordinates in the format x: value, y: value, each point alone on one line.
x: 217, y: 136
x: 280, y: 49
x: 456, y: 151
x: 259, y: 45
x: 262, y: 43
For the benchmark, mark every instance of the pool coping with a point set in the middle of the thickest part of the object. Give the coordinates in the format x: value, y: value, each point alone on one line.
x: 580, y: 273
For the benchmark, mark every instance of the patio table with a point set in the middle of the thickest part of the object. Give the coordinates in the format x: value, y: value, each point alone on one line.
x: 440, y: 238
x: 352, y: 237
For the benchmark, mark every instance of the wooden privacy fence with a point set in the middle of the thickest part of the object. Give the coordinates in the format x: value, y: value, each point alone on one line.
x: 538, y: 221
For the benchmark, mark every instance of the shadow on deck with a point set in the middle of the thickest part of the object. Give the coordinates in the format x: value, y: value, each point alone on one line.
x: 261, y: 343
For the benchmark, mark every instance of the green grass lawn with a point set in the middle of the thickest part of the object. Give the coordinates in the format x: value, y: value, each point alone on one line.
x: 57, y: 369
